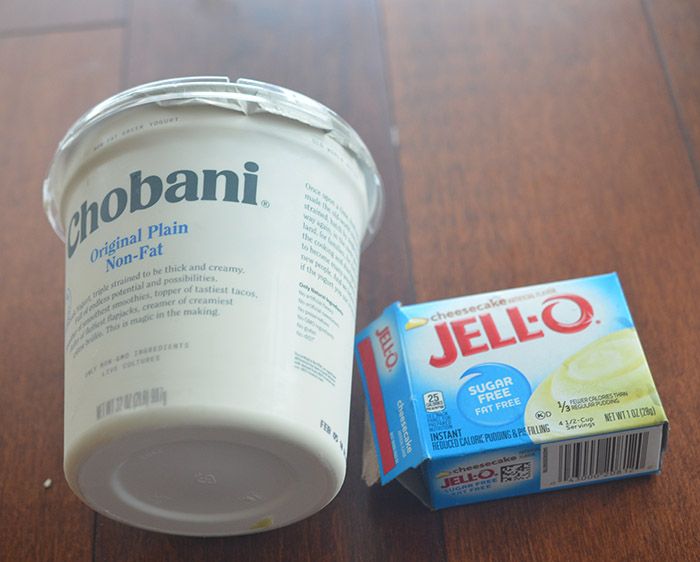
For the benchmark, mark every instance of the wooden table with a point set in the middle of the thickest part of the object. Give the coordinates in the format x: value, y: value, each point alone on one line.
x: 519, y: 141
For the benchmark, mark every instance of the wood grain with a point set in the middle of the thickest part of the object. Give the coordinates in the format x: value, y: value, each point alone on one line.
x: 17, y: 16
x: 69, y: 72
x: 332, y: 52
x: 539, y: 143
x: 676, y: 29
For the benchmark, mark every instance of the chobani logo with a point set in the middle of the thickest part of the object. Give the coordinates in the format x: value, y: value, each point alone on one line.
x: 143, y: 193
x: 477, y: 334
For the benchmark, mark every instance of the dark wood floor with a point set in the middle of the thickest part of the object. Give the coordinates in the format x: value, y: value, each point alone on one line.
x: 520, y: 142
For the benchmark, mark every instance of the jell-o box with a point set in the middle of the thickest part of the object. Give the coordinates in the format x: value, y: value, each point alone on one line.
x: 509, y: 393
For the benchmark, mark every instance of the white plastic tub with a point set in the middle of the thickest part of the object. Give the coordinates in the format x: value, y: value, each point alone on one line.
x: 213, y: 232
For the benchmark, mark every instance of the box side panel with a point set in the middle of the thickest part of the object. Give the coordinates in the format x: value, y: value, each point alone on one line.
x: 385, y: 379
x: 518, y: 471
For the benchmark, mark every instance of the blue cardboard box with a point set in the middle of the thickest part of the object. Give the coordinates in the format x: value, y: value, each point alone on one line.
x: 508, y: 393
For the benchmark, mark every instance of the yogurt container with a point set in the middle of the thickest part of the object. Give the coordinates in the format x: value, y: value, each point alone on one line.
x: 213, y: 232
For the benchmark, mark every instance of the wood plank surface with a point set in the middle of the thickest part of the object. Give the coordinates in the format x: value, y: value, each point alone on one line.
x: 34, y: 16
x: 45, y: 84
x: 539, y: 142
x: 676, y: 29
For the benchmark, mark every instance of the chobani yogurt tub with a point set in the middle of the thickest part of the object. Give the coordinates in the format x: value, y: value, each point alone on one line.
x: 213, y: 232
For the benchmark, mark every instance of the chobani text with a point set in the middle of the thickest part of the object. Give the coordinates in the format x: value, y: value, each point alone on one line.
x: 145, y: 192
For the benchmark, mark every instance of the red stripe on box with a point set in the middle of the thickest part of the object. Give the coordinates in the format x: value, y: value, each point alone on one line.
x: 376, y: 400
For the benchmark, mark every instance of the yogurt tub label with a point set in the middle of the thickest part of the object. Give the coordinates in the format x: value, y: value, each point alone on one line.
x: 510, y: 393
x: 211, y: 276
x: 217, y: 247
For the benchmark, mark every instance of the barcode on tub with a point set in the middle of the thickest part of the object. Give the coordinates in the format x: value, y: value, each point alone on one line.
x: 586, y: 460
x: 131, y: 401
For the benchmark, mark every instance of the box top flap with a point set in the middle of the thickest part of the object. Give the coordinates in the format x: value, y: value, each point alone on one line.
x: 387, y: 387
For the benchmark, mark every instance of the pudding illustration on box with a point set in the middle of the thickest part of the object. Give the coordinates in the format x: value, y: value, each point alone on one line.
x: 510, y: 393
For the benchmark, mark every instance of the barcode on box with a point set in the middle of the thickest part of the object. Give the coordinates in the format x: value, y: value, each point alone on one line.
x: 588, y: 460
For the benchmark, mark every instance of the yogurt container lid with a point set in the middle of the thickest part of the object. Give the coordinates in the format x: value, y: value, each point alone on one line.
x: 245, y: 96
